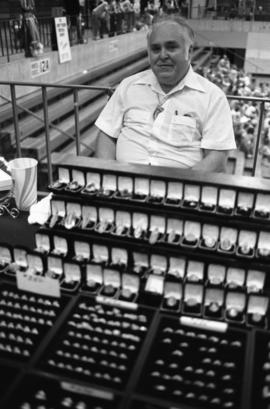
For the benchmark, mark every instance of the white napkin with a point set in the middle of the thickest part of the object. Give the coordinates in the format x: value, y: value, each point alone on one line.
x: 40, y: 211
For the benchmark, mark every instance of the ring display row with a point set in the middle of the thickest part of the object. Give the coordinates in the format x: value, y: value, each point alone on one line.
x: 223, y: 200
x: 180, y: 285
x: 156, y: 229
x: 84, y: 261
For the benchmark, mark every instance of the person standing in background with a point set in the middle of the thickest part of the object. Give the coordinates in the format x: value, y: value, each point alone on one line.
x: 100, y: 16
x: 31, y: 37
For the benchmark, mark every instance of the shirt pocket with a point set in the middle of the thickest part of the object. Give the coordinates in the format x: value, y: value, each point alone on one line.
x: 182, y: 130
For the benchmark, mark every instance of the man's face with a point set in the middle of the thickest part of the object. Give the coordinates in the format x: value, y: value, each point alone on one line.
x: 169, y: 53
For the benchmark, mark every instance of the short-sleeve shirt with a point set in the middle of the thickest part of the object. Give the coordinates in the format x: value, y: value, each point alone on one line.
x: 193, y: 116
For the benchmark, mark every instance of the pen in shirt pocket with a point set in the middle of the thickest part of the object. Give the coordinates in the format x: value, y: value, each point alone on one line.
x: 176, y: 113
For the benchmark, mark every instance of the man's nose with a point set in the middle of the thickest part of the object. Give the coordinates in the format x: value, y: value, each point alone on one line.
x: 163, y: 53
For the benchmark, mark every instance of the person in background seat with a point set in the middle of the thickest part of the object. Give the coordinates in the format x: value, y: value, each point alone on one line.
x: 167, y: 115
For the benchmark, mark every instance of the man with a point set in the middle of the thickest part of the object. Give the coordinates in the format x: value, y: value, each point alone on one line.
x: 32, y: 44
x: 100, y: 19
x: 169, y: 115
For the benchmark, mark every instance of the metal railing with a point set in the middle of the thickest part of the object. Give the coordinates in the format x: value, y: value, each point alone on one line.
x: 44, y: 99
x: 12, y: 33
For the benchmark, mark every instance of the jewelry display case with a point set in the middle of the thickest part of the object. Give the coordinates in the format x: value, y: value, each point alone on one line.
x: 146, y: 288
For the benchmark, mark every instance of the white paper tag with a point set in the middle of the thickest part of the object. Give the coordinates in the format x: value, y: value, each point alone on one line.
x: 227, y: 198
x: 106, y: 215
x: 141, y: 259
x: 158, y: 262
x: 155, y: 284
x: 63, y: 175
x: 60, y: 245
x: 257, y: 304
x: 35, y: 262
x: 216, y: 273
x: 141, y: 186
x: 72, y: 272
x: 175, y: 191
x: 262, y: 202
x: 175, y: 225
x: 214, y: 295
x: 235, y: 276
x: 131, y: 282
x: 119, y: 256
x: 123, y: 218
x: 100, y: 253
x: 194, y: 292
x: 247, y: 238
x: 89, y: 213
x: 73, y: 209
x: 192, y: 229
x: 111, y: 277
x: 177, y: 266
x: 94, y: 273
x: 5, y: 255
x: 109, y: 182
x: 195, y: 270
x: 235, y: 300
x: 93, y: 179
x: 55, y: 265
x: 58, y: 208
x: 20, y: 257
x: 78, y: 176
x: 157, y: 188
x: 209, y: 195
x: 157, y: 222
x: 264, y: 241
x: 173, y: 290
x: 245, y: 200
x: 82, y: 249
x: 140, y: 220
x: 42, y: 242
x: 125, y: 183
x: 229, y: 234
x: 38, y: 284
x: 210, y: 231
x: 192, y: 193
x: 255, y: 280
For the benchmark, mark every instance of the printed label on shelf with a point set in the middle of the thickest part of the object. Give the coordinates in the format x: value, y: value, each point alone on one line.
x: 204, y: 324
x: 87, y: 390
x: 116, y: 303
x: 38, y: 284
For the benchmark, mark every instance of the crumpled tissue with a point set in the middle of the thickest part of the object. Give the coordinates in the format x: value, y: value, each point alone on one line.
x: 40, y: 211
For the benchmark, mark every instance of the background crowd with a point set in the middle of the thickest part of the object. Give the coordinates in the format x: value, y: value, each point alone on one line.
x: 235, y: 81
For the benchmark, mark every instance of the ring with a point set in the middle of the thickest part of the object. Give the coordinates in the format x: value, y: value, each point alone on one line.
x: 209, y: 241
x: 214, y: 306
x: 226, y: 244
x: 233, y: 312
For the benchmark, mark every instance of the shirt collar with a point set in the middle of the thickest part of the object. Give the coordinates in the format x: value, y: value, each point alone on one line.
x: 191, y: 80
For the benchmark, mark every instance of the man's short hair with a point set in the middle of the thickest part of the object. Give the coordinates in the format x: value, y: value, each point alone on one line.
x: 181, y: 21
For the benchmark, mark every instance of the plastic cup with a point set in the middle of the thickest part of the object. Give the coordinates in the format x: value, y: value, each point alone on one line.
x: 24, y: 175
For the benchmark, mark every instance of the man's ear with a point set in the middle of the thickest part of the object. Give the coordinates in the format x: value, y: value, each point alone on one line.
x: 190, y: 51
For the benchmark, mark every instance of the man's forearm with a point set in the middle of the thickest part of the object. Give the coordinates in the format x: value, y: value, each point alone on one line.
x: 214, y: 161
x: 105, y: 147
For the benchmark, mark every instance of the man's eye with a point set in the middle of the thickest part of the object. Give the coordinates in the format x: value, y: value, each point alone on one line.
x: 171, y: 47
x: 155, y: 49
